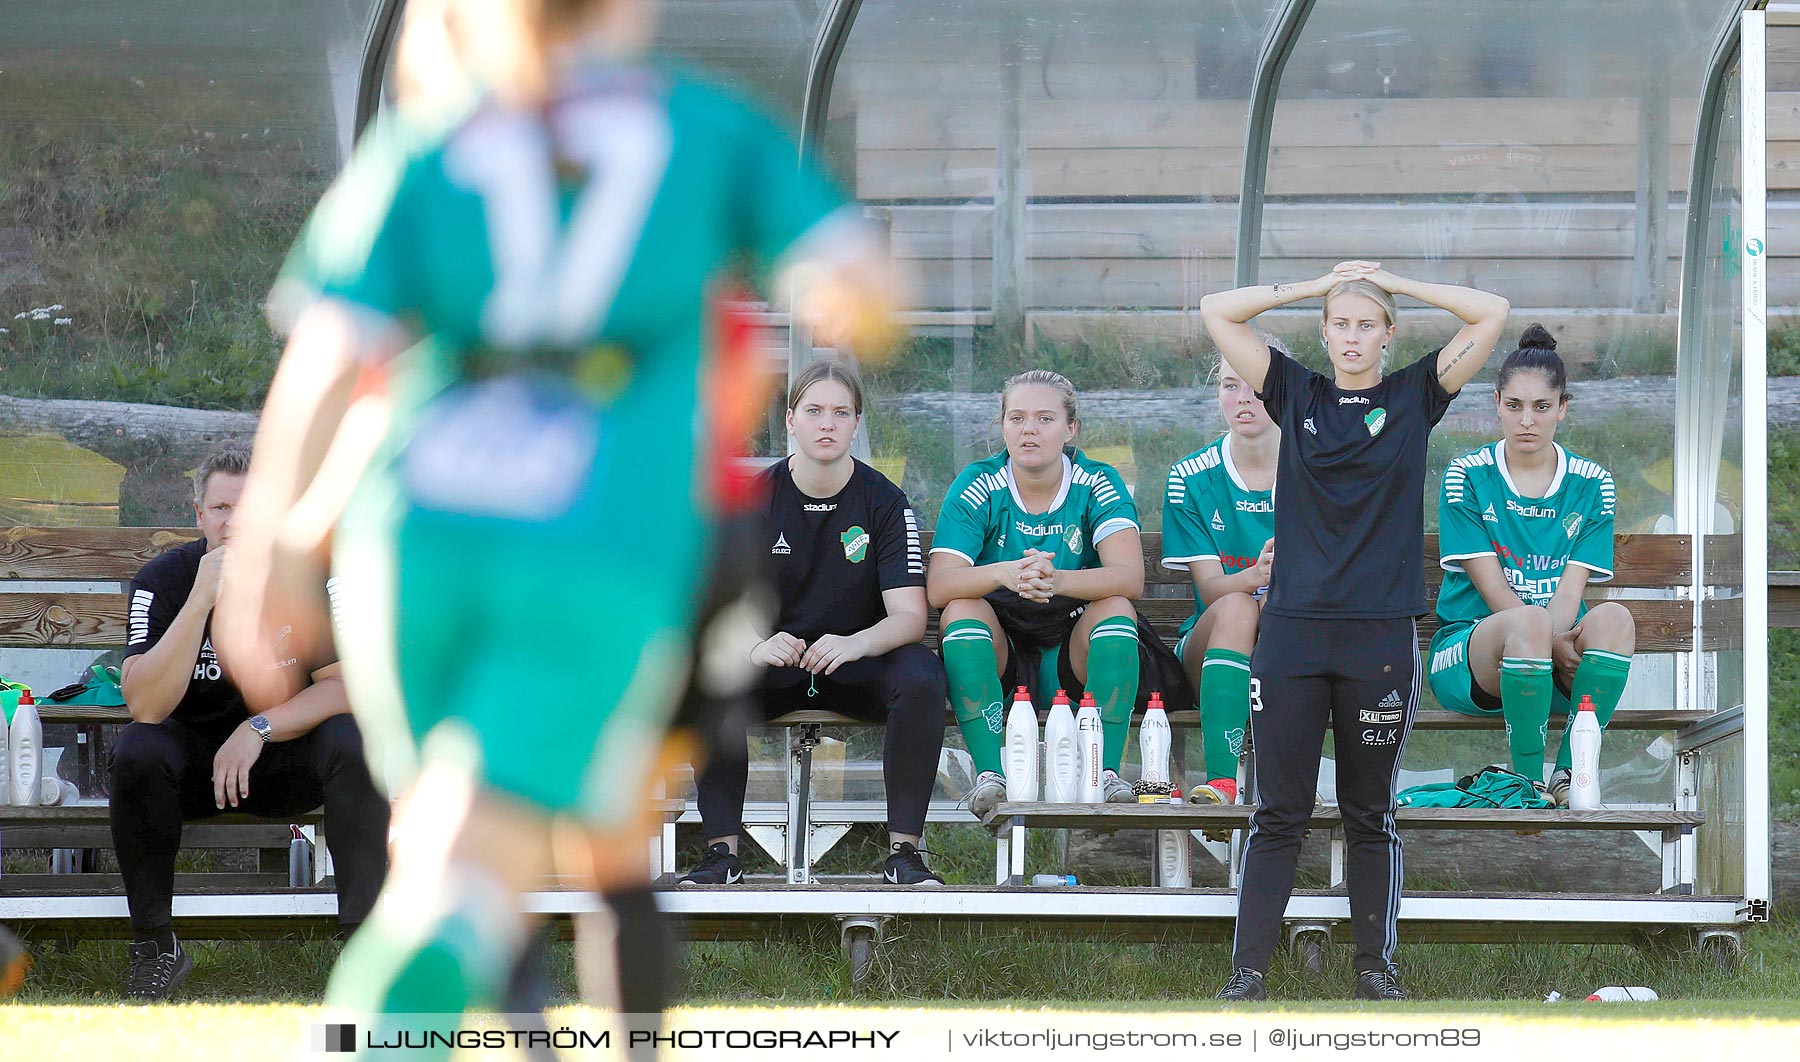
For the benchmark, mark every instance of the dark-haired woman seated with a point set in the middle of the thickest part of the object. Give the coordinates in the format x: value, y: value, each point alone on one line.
x: 1524, y: 526
x: 850, y: 578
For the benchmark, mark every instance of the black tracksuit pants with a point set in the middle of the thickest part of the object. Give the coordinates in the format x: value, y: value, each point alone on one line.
x: 1360, y: 679
x: 905, y: 686
x: 162, y: 777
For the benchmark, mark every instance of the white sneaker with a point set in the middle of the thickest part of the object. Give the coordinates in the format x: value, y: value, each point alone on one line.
x: 1116, y: 790
x: 989, y: 791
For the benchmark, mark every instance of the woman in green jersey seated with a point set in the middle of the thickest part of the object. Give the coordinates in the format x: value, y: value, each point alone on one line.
x: 1035, y: 561
x: 1219, y: 527
x: 1524, y: 526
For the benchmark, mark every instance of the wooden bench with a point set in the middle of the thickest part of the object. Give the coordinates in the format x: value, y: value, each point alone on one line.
x: 1641, y: 562
x: 59, y: 606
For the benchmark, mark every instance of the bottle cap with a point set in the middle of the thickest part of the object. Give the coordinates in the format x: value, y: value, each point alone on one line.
x: 25, y: 697
x: 1587, y: 703
x: 1155, y: 701
x: 1087, y: 701
x: 1021, y: 694
x: 1062, y: 697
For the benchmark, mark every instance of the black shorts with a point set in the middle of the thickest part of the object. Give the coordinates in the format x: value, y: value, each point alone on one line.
x: 1031, y: 627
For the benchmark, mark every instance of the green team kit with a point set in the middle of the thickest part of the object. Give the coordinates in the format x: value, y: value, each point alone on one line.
x: 559, y: 271
x: 984, y: 522
x: 1535, y: 540
x: 1209, y: 514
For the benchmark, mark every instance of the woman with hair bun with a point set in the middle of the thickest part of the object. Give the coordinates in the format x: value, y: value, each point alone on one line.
x: 1524, y: 527
x: 1337, y: 647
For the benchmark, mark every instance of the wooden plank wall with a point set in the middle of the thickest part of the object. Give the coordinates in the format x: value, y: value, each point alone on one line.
x: 1120, y: 218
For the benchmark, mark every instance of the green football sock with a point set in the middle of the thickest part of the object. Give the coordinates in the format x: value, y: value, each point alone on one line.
x: 1224, y: 710
x: 439, y: 955
x: 1601, y: 675
x: 974, y: 673
x: 1112, y: 677
x: 1526, y: 690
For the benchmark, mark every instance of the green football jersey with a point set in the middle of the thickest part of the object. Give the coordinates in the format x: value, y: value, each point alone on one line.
x: 1480, y: 514
x: 983, y: 521
x: 582, y: 252
x: 1208, y: 514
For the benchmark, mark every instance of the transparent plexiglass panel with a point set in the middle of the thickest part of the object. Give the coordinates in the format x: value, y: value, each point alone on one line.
x: 1060, y: 181
x: 1545, y: 159
x: 156, y: 159
x: 760, y: 47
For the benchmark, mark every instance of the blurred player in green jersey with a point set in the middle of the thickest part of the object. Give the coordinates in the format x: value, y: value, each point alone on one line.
x: 499, y: 405
x: 1524, y: 526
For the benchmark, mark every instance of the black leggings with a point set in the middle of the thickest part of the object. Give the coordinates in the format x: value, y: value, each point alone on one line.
x: 162, y: 777
x: 1360, y: 679
x: 906, y: 686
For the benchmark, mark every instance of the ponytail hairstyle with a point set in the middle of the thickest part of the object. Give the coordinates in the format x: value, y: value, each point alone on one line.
x: 837, y: 371
x: 1536, y: 353
x: 1043, y: 376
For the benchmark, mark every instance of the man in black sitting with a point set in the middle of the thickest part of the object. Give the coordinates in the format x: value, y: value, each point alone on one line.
x: 194, y: 750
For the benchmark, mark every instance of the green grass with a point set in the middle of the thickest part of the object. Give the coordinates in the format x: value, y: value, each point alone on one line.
x: 921, y: 961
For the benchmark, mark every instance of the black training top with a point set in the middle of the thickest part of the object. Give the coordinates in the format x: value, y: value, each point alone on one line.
x: 211, y: 705
x: 832, y: 557
x: 1350, y: 526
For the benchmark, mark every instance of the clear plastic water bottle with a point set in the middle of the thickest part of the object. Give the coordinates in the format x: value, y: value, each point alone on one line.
x: 1092, y: 749
x: 1623, y: 994
x: 1584, y: 758
x: 1062, y: 757
x: 1054, y: 879
x: 1021, y: 749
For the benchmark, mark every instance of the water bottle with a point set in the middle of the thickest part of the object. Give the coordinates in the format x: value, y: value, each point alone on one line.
x: 1090, y: 745
x: 1021, y: 749
x: 1626, y: 994
x: 1584, y: 757
x: 26, y: 753
x: 1153, y: 742
x: 1054, y: 879
x: 1062, y: 757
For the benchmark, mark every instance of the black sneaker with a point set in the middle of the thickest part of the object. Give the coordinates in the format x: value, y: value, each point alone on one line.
x: 1379, y: 984
x: 720, y: 867
x: 155, y: 973
x: 1245, y: 986
x: 905, y: 865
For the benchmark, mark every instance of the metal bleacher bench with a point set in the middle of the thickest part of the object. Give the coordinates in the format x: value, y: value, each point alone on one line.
x: 36, y: 612
x: 1642, y: 562
x: 63, y: 591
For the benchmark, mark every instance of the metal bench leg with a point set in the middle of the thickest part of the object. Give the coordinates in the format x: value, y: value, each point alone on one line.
x: 1338, y: 857
x: 799, y: 869
x: 1016, y: 852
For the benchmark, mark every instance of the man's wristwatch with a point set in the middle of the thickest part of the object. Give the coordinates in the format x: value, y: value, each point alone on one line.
x: 264, y: 729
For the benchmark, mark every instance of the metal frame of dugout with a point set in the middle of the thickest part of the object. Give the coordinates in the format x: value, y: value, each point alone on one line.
x: 1736, y: 732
